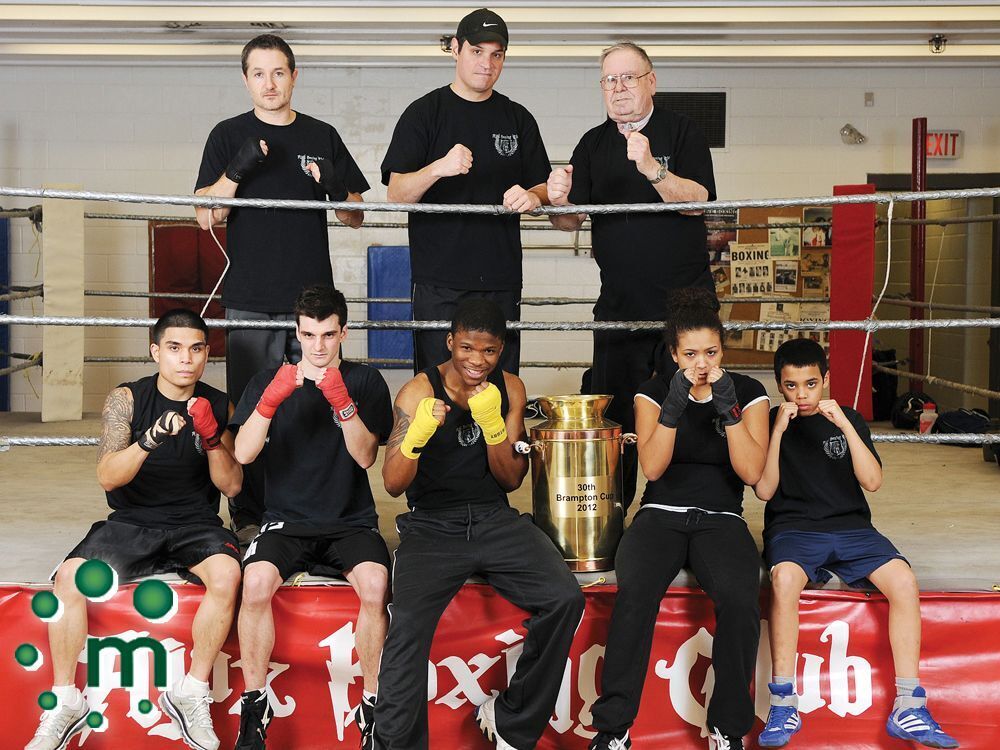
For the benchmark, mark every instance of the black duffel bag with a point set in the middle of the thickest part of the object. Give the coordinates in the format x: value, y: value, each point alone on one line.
x: 962, y: 421
x: 907, y: 409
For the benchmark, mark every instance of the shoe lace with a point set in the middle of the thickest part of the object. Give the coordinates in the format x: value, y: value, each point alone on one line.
x: 925, y: 716
x: 201, y: 714
x: 721, y: 741
x: 605, y: 741
x: 778, y: 716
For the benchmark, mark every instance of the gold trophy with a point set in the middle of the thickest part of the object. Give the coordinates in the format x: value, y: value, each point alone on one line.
x: 576, y: 480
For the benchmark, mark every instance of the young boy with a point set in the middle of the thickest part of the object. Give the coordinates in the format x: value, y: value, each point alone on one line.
x: 818, y: 522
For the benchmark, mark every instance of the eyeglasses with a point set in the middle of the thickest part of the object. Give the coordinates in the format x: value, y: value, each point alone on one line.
x: 628, y: 80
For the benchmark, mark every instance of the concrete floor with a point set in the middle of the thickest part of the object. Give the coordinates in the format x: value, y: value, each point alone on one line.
x: 939, y: 505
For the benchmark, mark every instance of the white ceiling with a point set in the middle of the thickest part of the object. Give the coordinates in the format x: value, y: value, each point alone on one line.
x: 390, y: 33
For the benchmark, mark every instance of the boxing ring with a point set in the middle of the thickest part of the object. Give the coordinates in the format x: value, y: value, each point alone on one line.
x: 844, y: 668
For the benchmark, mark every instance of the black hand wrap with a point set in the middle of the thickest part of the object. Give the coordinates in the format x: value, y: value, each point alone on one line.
x: 331, y: 182
x: 676, y: 401
x: 725, y: 401
x: 158, y: 432
x: 247, y: 159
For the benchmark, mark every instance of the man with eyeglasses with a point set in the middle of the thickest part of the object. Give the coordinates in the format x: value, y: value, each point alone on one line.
x: 640, y: 154
x: 466, y: 143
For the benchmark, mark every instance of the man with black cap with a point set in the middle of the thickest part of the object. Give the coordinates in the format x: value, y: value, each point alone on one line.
x: 466, y: 143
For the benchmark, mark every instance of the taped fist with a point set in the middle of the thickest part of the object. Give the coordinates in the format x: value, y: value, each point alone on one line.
x: 169, y: 423
x: 676, y: 401
x: 204, y: 422
x: 326, y: 175
x: 286, y: 380
x: 248, y: 158
x: 485, y: 408
x: 727, y: 406
x: 331, y: 384
x: 428, y: 417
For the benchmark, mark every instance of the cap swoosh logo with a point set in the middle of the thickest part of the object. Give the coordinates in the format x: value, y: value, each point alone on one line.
x: 489, y: 24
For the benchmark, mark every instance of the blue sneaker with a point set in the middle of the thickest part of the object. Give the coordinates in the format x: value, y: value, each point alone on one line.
x: 783, y: 719
x: 910, y: 720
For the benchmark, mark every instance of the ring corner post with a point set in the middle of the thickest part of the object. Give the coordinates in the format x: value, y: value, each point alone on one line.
x: 62, y: 277
x: 852, y: 277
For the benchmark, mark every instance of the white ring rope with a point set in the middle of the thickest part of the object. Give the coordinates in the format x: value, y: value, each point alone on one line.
x: 498, y: 210
x: 524, y: 325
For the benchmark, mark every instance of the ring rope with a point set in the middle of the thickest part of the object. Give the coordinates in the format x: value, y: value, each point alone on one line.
x: 524, y: 325
x: 934, y: 380
x: 7, y: 441
x: 22, y: 294
x: 497, y: 210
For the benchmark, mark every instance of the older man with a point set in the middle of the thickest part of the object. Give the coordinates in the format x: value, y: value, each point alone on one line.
x: 640, y: 154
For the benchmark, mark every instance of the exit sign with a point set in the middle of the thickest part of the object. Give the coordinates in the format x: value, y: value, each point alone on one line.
x: 944, y: 144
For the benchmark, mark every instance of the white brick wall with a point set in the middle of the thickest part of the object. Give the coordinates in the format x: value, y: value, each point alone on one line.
x: 130, y: 128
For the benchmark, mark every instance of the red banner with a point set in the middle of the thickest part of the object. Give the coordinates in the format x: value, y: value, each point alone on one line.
x: 844, y: 670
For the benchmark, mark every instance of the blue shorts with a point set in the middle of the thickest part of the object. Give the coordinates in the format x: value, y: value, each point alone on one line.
x: 852, y: 555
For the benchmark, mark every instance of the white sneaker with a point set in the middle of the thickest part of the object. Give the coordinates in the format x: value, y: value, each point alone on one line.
x: 194, y: 718
x: 486, y: 717
x: 58, y: 726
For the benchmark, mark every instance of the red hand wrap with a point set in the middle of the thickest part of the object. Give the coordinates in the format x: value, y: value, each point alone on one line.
x: 332, y: 386
x: 204, y: 423
x: 280, y: 388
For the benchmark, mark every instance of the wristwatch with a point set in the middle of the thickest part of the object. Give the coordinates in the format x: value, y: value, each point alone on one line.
x: 660, y: 175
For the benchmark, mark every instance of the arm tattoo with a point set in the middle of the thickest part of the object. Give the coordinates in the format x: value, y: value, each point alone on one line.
x: 399, y: 428
x: 116, y: 422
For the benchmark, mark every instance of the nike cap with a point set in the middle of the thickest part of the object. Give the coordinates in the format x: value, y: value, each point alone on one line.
x: 482, y: 25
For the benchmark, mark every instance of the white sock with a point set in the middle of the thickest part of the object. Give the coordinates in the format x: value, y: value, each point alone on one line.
x: 189, y: 687
x: 68, y: 695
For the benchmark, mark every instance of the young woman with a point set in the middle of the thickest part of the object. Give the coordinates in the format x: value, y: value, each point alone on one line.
x: 702, y: 437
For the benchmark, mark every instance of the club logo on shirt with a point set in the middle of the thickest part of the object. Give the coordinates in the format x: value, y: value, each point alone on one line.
x: 199, y: 448
x: 719, y: 427
x: 336, y: 419
x: 468, y: 434
x: 304, y: 160
x: 506, y: 145
x: 664, y: 161
x: 835, y: 447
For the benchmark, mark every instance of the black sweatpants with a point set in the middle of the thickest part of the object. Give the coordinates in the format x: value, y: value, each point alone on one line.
x: 248, y: 351
x: 722, y: 554
x: 437, y: 553
x: 624, y: 360
x: 430, y: 348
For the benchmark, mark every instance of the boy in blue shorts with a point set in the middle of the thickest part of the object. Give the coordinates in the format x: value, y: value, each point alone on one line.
x: 819, y: 461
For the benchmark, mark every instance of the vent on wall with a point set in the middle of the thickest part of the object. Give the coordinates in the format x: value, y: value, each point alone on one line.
x: 706, y: 108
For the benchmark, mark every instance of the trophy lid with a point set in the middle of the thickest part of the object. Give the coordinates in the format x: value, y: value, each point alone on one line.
x: 575, y: 411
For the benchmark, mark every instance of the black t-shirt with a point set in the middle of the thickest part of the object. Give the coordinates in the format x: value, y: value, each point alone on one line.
x: 467, y: 251
x: 454, y: 469
x: 700, y: 474
x: 277, y: 251
x: 643, y: 255
x: 173, y: 486
x: 313, y: 484
x: 817, y: 488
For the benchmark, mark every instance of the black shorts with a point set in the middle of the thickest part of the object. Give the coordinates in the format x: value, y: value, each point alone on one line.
x: 327, y: 556
x: 138, y: 551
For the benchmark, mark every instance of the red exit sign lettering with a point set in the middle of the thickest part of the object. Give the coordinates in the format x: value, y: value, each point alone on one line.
x: 944, y: 144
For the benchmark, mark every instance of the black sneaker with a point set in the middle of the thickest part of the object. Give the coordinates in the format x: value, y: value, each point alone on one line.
x: 255, y: 716
x: 365, y: 716
x: 608, y: 741
x: 719, y: 741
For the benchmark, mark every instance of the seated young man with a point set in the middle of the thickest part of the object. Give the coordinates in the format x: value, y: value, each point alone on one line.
x: 452, y: 452
x: 162, y: 463
x: 317, y: 426
x: 818, y: 522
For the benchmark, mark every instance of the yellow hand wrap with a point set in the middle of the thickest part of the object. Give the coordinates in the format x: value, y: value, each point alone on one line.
x: 421, y: 430
x: 485, y: 408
